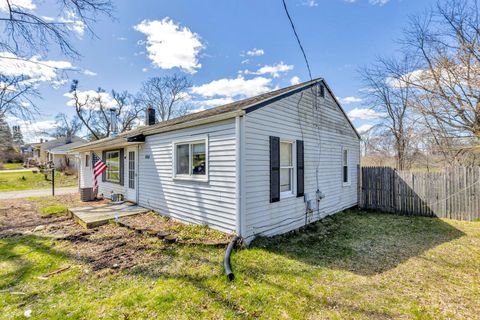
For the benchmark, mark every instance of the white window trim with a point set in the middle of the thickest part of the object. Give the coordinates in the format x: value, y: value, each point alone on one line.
x: 292, y: 192
x: 119, y: 169
x: 190, y: 177
x: 349, y: 180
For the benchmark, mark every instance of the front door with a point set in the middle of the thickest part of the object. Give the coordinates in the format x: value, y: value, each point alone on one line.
x: 131, y: 166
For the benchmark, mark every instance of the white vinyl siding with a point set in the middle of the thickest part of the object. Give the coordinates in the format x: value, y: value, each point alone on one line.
x: 282, y: 119
x: 209, y: 202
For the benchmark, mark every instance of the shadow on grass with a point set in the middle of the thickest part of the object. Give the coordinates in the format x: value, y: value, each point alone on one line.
x: 361, y: 242
x: 15, y: 248
x: 173, y: 264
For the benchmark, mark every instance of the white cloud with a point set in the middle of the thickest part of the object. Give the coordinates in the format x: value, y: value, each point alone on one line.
x: 419, y: 76
x: 372, y: 2
x: 70, y: 20
x: 378, y: 2
x: 170, y: 45
x: 197, y: 110
x: 364, y: 114
x: 255, y: 52
x: 273, y: 70
x: 17, y: 4
x: 32, y: 131
x: 35, y: 69
x: 122, y: 39
x: 294, y: 80
x: 349, y: 100
x: 214, y: 102
x: 91, y: 99
x: 73, y: 23
x: 239, y: 87
x: 144, y: 69
x: 310, y: 3
x: 89, y: 73
x: 364, y: 128
x: 245, y: 61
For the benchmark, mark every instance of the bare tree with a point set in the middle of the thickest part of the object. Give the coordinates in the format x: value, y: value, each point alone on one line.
x: 167, y: 94
x: 392, y: 99
x: 84, y: 108
x: 16, y: 97
x: 93, y: 110
x: 127, y: 110
x: 29, y: 33
x: 65, y: 126
x: 446, y: 43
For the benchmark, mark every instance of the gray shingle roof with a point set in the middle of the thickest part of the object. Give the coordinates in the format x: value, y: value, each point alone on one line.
x: 241, y: 105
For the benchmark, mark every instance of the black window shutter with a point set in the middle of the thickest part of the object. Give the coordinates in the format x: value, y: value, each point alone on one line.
x: 274, y: 169
x: 300, y: 169
x: 121, y: 166
x: 104, y: 159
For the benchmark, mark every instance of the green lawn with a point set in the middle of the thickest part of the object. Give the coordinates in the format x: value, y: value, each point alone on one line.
x: 356, y: 265
x: 10, y: 166
x: 13, y: 181
x: 52, y: 210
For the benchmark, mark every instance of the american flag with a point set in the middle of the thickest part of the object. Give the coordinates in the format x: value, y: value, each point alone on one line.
x: 98, y: 166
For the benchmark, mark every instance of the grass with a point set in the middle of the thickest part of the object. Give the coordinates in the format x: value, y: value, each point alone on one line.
x: 53, y: 210
x: 9, y: 166
x: 14, y: 181
x: 354, y: 265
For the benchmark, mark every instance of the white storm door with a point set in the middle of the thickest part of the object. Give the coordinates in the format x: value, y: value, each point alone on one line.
x: 131, y: 168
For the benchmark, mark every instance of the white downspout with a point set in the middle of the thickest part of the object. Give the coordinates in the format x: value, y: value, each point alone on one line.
x: 238, y: 183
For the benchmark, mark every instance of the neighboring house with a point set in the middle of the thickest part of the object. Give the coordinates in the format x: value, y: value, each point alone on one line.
x: 255, y: 167
x: 58, y: 151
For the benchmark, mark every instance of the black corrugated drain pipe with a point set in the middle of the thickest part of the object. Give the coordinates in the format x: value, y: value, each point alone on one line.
x: 226, y: 259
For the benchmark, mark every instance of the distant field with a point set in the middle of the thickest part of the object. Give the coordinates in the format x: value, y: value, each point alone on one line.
x: 10, y: 166
x: 28, y: 180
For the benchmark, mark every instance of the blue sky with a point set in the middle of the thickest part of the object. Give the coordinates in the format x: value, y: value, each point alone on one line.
x: 223, y: 45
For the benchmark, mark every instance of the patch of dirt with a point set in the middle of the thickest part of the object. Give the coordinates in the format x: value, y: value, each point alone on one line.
x: 110, y: 246
x: 172, y: 231
x: 23, y: 214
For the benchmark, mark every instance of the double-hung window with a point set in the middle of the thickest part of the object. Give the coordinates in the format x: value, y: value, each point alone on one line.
x: 286, y: 168
x: 113, y: 166
x: 345, y: 176
x: 191, y: 160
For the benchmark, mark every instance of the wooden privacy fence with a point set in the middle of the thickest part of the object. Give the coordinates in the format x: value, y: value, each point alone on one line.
x: 453, y: 193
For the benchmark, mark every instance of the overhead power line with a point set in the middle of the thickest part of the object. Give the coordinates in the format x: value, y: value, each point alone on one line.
x: 297, y: 37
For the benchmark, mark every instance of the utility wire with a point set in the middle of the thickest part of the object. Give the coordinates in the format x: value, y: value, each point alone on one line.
x: 297, y: 37
x: 316, y: 109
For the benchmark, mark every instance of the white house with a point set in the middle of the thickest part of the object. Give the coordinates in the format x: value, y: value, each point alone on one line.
x: 58, y: 151
x: 260, y: 166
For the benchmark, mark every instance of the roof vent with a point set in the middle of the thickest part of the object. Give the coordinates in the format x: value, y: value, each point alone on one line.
x: 321, y: 90
x: 113, y: 123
